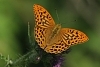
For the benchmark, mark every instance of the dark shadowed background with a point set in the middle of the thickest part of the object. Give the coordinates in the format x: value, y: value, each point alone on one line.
x: 15, y: 14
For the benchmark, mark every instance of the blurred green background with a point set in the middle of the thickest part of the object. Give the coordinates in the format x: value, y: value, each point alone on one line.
x: 15, y: 14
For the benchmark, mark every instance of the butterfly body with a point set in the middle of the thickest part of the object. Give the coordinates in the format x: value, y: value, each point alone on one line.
x: 54, y: 33
x: 50, y: 36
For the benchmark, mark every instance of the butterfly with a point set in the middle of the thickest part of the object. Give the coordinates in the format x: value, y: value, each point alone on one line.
x: 50, y: 36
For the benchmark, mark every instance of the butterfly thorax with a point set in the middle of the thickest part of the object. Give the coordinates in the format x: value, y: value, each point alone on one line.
x: 55, y: 30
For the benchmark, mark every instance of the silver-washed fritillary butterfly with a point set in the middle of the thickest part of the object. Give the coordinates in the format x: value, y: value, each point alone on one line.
x: 50, y: 36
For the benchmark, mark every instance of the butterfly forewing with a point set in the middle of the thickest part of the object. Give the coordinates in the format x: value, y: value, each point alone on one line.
x: 72, y: 37
x: 42, y: 17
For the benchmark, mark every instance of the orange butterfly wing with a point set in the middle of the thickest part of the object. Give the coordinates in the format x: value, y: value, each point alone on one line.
x: 43, y: 23
x: 66, y: 37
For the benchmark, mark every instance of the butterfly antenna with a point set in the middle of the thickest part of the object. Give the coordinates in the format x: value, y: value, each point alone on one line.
x: 57, y: 15
x: 70, y: 21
